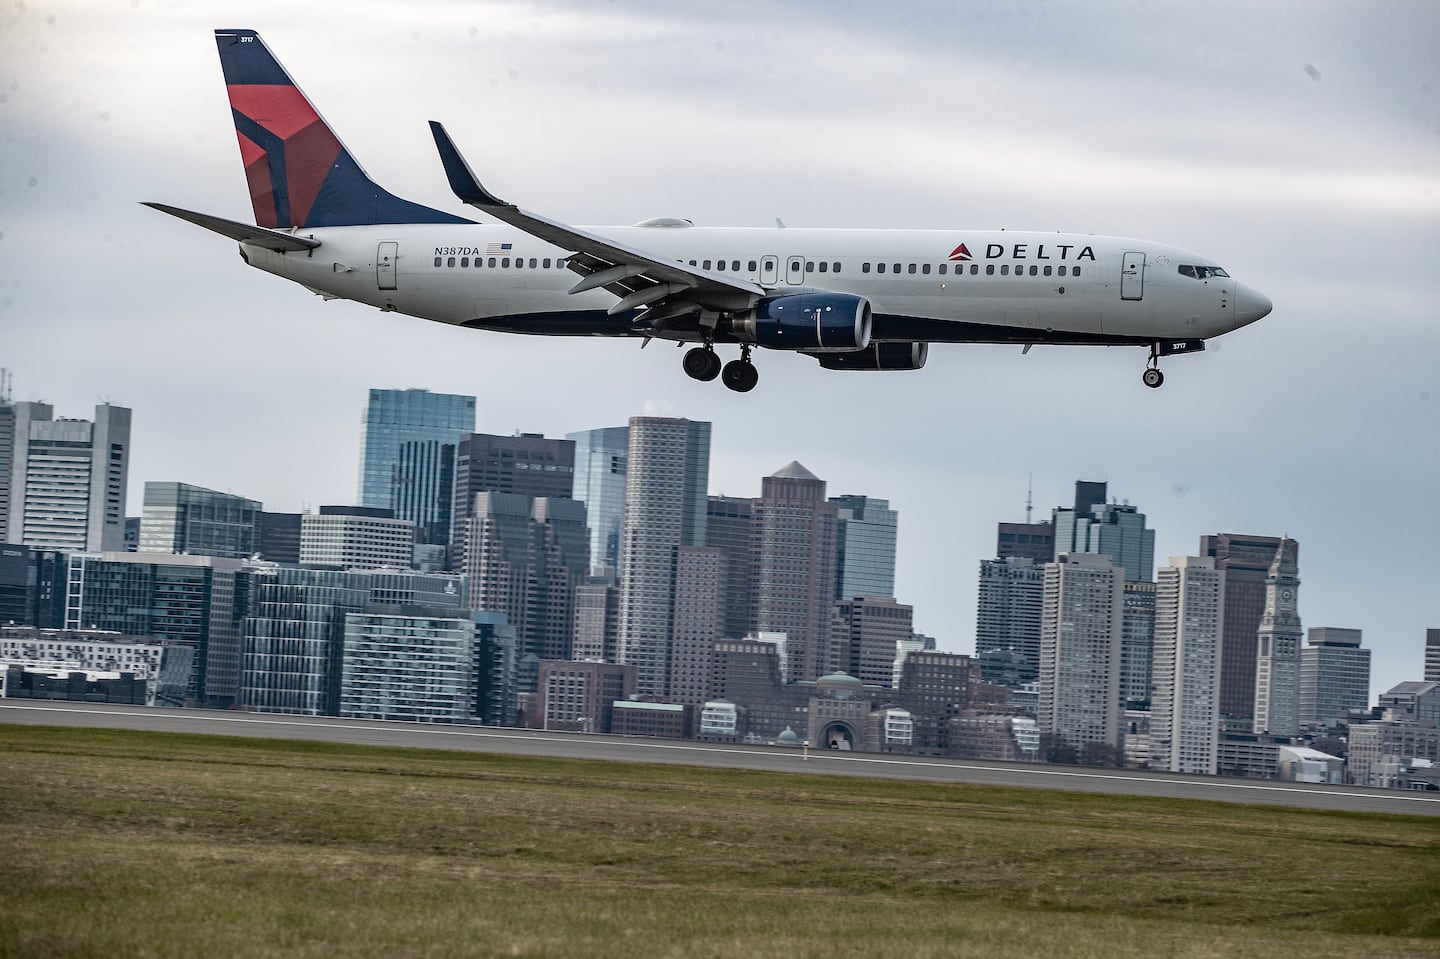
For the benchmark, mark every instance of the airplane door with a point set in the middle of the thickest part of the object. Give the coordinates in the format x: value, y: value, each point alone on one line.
x: 769, y: 270
x: 385, y: 265
x: 795, y: 270
x: 1132, y: 276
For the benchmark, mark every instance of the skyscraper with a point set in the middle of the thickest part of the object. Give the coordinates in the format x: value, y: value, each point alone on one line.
x: 407, y: 456
x: 1029, y: 540
x: 180, y: 518
x: 66, y: 483
x: 526, y: 463
x: 696, y: 627
x: 1137, y: 645
x: 1111, y: 529
x: 1246, y: 561
x: 1189, y: 627
x: 600, y: 457
x: 667, y: 473
x: 865, y: 547
x: 795, y: 565
x: 525, y: 557
x: 729, y: 527
x: 1080, y: 643
x: 1008, y: 614
x: 1334, y: 676
x: 1277, y: 663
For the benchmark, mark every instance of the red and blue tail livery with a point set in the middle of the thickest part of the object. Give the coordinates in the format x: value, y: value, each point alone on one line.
x: 300, y: 174
x: 848, y: 299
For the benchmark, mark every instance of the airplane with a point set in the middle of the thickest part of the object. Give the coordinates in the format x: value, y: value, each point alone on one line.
x: 854, y: 299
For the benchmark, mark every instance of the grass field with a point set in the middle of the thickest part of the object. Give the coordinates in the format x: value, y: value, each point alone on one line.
x: 116, y: 844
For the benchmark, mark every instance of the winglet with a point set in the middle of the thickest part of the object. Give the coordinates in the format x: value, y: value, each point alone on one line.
x: 465, y: 184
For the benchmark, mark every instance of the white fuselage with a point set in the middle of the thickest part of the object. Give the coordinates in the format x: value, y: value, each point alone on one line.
x: 923, y: 285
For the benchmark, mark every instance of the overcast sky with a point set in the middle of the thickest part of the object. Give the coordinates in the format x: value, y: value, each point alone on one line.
x: 1297, y: 144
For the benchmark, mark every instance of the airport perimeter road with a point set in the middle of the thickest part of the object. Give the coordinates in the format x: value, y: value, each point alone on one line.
x: 486, y: 739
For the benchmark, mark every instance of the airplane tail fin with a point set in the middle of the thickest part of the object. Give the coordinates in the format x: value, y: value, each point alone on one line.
x: 300, y: 174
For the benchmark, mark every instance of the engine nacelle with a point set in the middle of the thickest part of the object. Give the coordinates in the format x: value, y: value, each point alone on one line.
x: 813, y: 322
x: 880, y: 356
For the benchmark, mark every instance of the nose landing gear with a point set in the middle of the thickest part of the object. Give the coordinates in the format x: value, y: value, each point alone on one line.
x: 1152, y: 377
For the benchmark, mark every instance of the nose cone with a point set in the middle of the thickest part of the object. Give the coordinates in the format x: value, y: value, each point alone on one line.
x: 1250, y: 305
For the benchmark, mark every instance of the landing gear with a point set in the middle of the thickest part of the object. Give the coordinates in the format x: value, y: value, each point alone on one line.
x: 1152, y: 377
x: 701, y: 363
x: 740, y: 375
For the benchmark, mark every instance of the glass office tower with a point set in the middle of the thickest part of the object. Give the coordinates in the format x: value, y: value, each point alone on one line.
x: 407, y: 456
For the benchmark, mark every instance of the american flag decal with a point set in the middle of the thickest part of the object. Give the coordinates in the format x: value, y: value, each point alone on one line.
x: 499, y: 248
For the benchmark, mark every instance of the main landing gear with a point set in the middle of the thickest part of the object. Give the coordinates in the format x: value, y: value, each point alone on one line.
x: 702, y: 364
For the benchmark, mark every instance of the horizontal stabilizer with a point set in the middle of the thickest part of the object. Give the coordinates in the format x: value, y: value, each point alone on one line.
x: 244, y: 232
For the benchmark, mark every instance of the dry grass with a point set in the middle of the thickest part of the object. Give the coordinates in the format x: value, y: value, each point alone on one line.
x: 139, y: 844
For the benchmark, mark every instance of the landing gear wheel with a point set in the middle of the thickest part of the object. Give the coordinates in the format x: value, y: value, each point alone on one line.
x: 740, y: 376
x: 1153, y: 378
x: 701, y: 364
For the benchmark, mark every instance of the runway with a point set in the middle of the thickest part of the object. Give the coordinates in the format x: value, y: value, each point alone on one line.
x: 1128, y: 782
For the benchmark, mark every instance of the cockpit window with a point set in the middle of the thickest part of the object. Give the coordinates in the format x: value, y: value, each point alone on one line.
x: 1202, y: 272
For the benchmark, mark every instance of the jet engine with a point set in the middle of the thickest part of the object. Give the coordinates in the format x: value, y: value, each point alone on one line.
x: 879, y: 356
x: 812, y: 322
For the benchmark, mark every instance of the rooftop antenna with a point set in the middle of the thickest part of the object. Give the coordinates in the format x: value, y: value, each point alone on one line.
x: 1029, y: 497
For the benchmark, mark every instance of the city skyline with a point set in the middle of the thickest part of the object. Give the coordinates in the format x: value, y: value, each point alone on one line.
x: 1306, y: 425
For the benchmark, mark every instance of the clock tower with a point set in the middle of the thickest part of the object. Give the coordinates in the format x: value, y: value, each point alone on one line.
x: 1277, y: 661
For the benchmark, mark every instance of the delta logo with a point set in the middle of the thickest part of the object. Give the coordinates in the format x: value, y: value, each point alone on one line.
x: 961, y: 252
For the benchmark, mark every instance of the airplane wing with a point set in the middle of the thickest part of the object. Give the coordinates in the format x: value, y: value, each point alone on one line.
x: 244, y: 232
x: 673, y: 294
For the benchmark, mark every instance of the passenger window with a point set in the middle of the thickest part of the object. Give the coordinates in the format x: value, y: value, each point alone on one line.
x: 1034, y: 270
x: 974, y: 269
x: 836, y: 267
x: 519, y: 263
x: 437, y: 261
x: 989, y: 269
x: 925, y: 268
x: 464, y: 262
x: 897, y: 267
x: 532, y: 263
x: 1075, y: 271
x: 545, y: 263
x: 864, y: 267
x: 912, y: 267
x: 505, y: 262
x: 824, y: 266
x: 943, y: 268
x: 809, y: 266
x: 1005, y: 269
x: 751, y: 266
x: 735, y: 266
x: 450, y: 261
x: 1063, y: 271
x: 492, y: 263
x: 1048, y: 270
x: 705, y: 265
x: 879, y: 267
